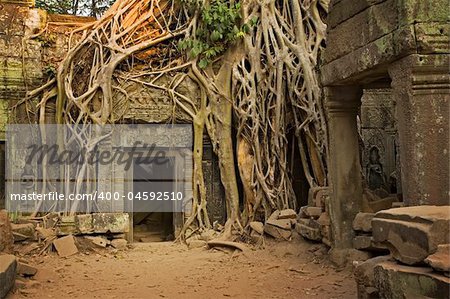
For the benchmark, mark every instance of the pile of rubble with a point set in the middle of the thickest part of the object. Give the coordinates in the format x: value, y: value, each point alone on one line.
x: 418, y: 239
x: 67, y: 235
x: 279, y: 225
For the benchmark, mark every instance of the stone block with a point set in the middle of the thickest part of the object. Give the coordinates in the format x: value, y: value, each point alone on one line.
x: 287, y: 214
x: 119, y: 244
x: 274, y: 215
x: 257, y: 227
x: 313, y: 212
x: 364, y: 277
x: 440, y: 260
x: 367, y: 243
x: 277, y: 232
x: 66, y: 226
x: 110, y: 223
x: 382, y: 204
x: 412, y: 233
x: 363, y: 222
x: 395, y: 281
x: 322, y: 197
x: 84, y: 224
x: 324, y: 219
x: 98, y: 241
x: 65, y: 246
x: 25, y: 270
x: 22, y: 231
x: 309, y: 229
x: 6, y: 237
x: 8, y: 265
x: 281, y: 223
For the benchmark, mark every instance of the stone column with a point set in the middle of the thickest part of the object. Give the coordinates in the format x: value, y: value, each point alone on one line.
x: 421, y: 88
x: 344, y: 166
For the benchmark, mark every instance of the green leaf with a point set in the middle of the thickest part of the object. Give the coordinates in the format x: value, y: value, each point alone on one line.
x: 203, y: 63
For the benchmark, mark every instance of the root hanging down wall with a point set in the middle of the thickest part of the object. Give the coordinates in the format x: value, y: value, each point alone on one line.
x: 260, y: 86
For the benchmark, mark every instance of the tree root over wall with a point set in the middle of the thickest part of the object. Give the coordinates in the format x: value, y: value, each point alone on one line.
x: 265, y: 84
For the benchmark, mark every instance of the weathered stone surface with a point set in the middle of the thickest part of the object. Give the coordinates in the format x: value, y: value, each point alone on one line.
x: 324, y: 219
x: 395, y: 281
x: 257, y: 227
x: 274, y: 215
x: 65, y: 246
x: 281, y: 223
x: 84, y: 223
x: 25, y: 269
x: 110, y: 222
x: 119, y: 244
x: 8, y: 266
x: 382, y: 204
x: 364, y: 277
x: 22, y: 231
x: 440, y: 260
x: 277, y: 232
x: 66, y: 226
x: 98, y: 241
x: 412, y: 233
x: 313, y: 212
x: 367, y: 243
x: 287, y: 214
x: 363, y: 222
x: 309, y: 229
x: 342, y: 257
x: 6, y: 237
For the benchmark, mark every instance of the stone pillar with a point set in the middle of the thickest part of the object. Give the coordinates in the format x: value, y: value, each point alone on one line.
x: 344, y: 166
x: 421, y: 88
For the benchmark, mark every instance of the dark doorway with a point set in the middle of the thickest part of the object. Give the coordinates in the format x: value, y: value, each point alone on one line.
x: 153, y: 179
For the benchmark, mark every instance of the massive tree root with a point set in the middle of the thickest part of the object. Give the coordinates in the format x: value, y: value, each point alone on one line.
x: 264, y: 85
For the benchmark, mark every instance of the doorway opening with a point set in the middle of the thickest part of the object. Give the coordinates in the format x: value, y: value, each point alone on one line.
x: 153, y: 217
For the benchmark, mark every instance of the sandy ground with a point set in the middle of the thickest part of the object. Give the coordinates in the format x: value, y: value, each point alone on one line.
x: 295, y: 269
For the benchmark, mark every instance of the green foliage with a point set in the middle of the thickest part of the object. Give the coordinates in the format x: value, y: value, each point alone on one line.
x: 219, y: 26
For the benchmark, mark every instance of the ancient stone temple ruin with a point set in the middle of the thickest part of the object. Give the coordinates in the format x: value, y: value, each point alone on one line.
x: 384, y: 211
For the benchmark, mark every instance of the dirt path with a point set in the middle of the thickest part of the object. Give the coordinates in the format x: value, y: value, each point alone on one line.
x: 165, y: 270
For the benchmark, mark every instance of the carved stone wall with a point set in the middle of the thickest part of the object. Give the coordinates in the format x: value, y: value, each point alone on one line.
x: 379, y: 134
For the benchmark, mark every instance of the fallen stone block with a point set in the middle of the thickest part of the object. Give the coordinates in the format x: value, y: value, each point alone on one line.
x: 364, y: 277
x: 309, y: 229
x: 23, y: 231
x: 324, y: 219
x: 367, y: 243
x: 119, y: 244
x: 65, y: 246
x: 412, y: 233
x: 313, y: 212
x: 382, y: 204
x: 363, y: 222
x: 312, y: 194
x: 8, y: 265
x: 281, y: 223
x: 110, y: 223
x: 257, y: 227
x: 440, y: 260
x: 25, y: 270
x: 6, y: 236
x: 98, y: 241
x: 274, y: 216
x: 277, y: 232
x: 287, y: 214
x: 395, y: 281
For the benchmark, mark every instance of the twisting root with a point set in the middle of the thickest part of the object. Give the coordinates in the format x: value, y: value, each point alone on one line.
x: 268, y: 80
